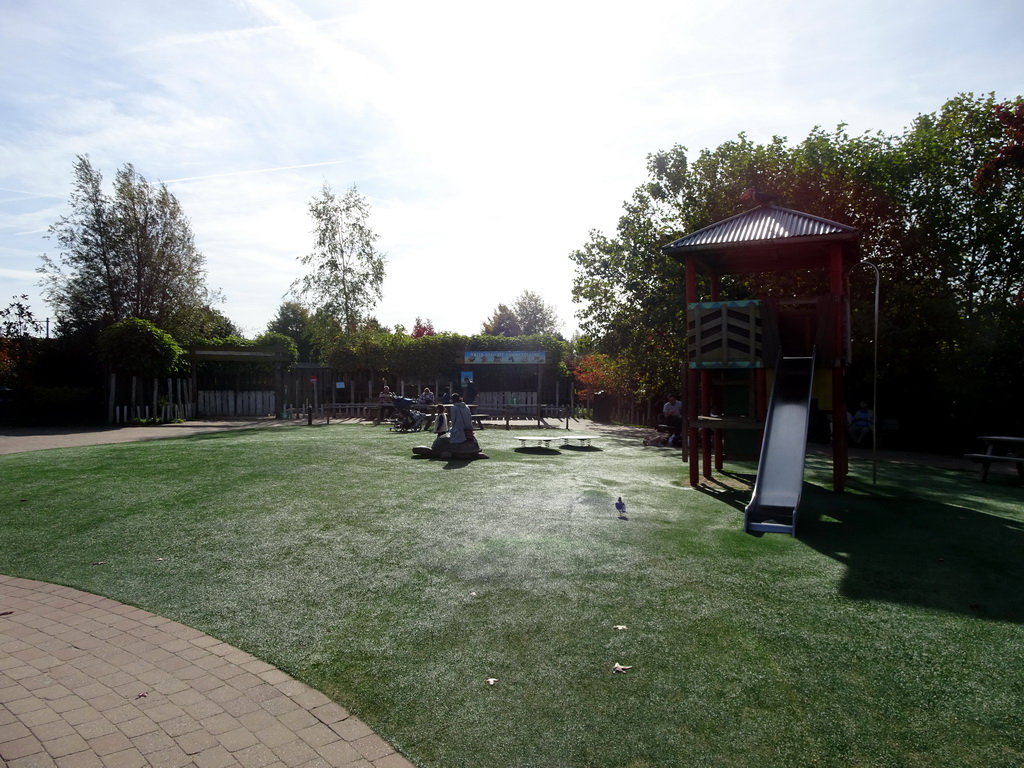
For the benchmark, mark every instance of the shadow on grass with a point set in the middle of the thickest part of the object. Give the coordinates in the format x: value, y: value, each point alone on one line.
x: 922, y: 537
x: 581, y: 448
x: 919, y: 552
x: 448, y: 463
x: 731, y: 488
x: 537, y: 451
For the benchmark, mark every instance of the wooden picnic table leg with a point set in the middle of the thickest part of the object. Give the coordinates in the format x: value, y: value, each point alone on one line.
x: 989, y: 451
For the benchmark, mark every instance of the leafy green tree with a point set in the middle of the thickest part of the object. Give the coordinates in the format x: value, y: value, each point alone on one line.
x: 503, y: 323
x: 129, y: 254
x: 294, y: 321
x: 206, y: 323
x: 346, y: 271
x: 137, y: 346
x: 632, y: 293
x: 951, y: 260
x: 529, y: 315
x: 965, y: 247
x: 535, y: 315
x: 282, y: 340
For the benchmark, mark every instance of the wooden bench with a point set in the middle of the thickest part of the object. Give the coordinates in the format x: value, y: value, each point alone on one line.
x: 987, y: 460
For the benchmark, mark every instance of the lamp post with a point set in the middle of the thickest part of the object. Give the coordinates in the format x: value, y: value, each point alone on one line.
x: 874, y: 375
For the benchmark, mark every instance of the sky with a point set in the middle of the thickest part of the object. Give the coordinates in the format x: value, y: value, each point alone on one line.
x: 490, y: 140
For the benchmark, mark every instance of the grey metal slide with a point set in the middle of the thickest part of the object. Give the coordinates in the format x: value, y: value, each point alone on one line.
x: 780, y: 470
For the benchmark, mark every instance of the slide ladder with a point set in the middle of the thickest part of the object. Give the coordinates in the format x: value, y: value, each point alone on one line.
x: 780, y: 469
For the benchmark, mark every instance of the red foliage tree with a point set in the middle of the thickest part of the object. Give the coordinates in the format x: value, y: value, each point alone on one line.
x: 421, y: 328
x: 1011, y: 153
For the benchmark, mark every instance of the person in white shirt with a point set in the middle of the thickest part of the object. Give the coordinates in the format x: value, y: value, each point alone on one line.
x: 672, y: 414
x: 462, y: 423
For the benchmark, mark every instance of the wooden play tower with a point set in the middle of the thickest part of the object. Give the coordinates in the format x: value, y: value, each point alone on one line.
x: 734, y: 347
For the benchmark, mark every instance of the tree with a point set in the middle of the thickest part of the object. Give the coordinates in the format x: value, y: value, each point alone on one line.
x: 346, y: 270
x: 966, y: 248
x: 535, y: 315
x: 18, y: 343
x: 294, y: 321
x: 130, y: 254
x: 502, y: 323
x: 529, y: 315
x: 951, y: 260
x: 280, y: 340
x: 138, y: 347
x: 1010, y: 154
x: 631, y: 291
x: 421, y: 328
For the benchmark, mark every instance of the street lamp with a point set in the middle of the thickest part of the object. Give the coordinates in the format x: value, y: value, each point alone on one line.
x: 874, y: 375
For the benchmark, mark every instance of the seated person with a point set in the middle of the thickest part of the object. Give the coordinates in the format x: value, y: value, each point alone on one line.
x: 672, y: 414
x: 861, y: 425
x: 461, y: 441
x: 426, y: 396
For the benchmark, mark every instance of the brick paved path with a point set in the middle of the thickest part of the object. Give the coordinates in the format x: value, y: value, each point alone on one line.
x: 86, y: 682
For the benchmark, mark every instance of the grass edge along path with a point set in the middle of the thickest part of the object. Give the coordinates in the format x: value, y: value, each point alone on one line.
x: 886, y: 634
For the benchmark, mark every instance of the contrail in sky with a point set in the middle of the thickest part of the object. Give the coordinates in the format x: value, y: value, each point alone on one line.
x: 257, y: 170
x: 22, y: 195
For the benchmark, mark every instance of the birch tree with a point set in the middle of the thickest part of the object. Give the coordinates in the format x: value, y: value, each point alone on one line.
x: 346, y: 271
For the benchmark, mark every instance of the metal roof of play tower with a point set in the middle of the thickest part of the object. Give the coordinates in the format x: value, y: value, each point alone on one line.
x: 765, y: 239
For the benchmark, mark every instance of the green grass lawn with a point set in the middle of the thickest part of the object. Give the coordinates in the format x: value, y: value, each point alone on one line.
x: 888, y: 634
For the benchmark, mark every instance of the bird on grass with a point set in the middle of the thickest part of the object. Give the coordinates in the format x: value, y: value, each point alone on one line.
x: 764, y: 199
x: 620, y: 507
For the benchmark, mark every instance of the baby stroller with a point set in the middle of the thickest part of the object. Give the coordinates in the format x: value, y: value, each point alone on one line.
x: 406, y: 418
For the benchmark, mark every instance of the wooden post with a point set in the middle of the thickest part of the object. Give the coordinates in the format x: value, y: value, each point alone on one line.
x: 194, y: 394
x: 111, y: 400
x: 540, y: 377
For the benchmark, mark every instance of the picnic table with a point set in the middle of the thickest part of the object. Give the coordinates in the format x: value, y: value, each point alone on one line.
x: 999, y: 449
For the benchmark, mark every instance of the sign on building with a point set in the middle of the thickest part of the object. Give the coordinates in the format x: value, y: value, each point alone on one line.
x: 507, y: 357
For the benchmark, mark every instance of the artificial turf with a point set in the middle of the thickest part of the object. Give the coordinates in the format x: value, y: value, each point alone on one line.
x: 888, y: 633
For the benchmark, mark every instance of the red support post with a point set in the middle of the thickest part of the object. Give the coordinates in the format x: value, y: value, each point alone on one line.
x: 692, y: 379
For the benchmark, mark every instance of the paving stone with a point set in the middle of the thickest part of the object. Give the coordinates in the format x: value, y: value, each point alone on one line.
x: 129, y: 758
x: 65, y: 745
x: 110, y: 743
x: 39, y: 760
x: 84, y: 759
x: 372, y: 747
x: 173, y: 757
